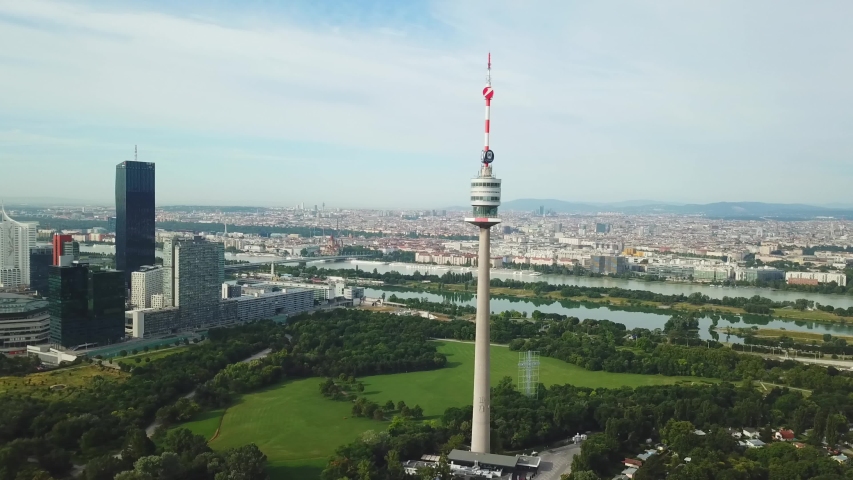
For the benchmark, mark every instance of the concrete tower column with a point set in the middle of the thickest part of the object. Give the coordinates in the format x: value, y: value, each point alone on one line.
x: 480, y: 433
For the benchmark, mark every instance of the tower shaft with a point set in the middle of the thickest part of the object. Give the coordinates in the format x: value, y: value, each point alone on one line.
x: 480, y: 425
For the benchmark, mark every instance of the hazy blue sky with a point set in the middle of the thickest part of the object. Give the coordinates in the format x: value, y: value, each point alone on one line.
x: 378, y: 103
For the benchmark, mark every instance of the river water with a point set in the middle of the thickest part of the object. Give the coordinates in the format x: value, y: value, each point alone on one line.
x: 666, y: 288
x: 630, y: 319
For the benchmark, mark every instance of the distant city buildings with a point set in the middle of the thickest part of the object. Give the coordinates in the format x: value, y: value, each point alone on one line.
x: 86, y: 305
x: 16, y: 240
x: 134, y: 192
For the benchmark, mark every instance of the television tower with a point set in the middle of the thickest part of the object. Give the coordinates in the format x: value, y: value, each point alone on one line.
x: 485, y: 198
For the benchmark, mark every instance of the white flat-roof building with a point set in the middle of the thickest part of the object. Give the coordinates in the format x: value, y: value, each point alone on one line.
x: 820, y: 277
x: 145, y: 283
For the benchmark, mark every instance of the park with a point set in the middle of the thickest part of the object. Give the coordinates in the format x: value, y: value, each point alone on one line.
x: 298, y: 429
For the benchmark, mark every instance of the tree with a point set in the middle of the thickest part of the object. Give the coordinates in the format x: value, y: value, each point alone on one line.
x: 56, y: 461
x: 389, y: 406
x: 365, y: 470
x: 598, y: 453
x: 585, y: 475
x: 678, y: 435
x: 400, y: 405
x: 137, y: 445
x: 394, y: 466
x: 417, y: 412
x: 184, y: 443
x: 245, y: 463
x: 833, y: 423
x: 104, y: 468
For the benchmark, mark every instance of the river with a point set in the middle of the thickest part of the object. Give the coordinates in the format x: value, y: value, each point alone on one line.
x: 666, y: 288
x: 630, y: 319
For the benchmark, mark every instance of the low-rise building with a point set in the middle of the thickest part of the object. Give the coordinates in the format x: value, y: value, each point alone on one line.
x: 817, y: 277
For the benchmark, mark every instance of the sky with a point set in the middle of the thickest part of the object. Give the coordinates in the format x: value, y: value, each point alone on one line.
x: 378, y: 103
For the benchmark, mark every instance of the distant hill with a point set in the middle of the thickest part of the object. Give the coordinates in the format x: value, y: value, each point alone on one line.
x: 745, y: 210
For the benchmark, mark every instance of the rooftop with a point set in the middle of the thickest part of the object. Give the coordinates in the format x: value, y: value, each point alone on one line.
x: 12, y: 303
x: 483, y: 458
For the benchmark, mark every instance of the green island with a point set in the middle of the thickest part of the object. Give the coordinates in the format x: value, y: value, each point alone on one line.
x: 352, y: 393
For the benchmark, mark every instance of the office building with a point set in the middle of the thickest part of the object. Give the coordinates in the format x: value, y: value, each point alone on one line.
x: 23, y: 321
x: 195, y: 271
x: 65, y: 250
x: 670, y: 271
x: 41, y: 258
x: 288, y: 302
x: 86, y: 305
x: 608, y: 264
x: 16, y: 239
x: 231, y: 291
x: 763, y: 274
x: 814, y: 278
x: 602, y: 228
x: 134, y: 216
x: 144, y: 284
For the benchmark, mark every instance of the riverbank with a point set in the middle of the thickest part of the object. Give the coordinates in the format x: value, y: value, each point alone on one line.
x: 625, y: 303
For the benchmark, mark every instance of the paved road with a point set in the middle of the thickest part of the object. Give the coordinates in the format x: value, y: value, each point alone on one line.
x: 556, y: 462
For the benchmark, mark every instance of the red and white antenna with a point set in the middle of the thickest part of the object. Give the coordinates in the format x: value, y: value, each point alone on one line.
x: 488, y: 93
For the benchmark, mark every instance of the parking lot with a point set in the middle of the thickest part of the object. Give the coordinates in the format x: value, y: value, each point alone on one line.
x: 556, y: 462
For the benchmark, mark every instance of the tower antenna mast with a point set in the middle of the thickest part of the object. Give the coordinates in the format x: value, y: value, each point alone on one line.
x: 135, y: 151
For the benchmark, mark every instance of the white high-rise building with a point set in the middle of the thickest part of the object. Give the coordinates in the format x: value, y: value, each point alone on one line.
x: 16, y: 238
x: 145, y: 283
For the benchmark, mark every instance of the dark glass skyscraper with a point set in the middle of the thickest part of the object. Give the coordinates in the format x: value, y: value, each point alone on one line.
x: 134, y: 216
x: 86, y: 305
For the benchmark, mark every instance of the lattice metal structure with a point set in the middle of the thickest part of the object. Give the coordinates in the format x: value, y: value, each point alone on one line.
x: 528, y: 373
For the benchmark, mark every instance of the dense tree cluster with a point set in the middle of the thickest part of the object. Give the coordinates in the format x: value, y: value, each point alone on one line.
x: 182, y: 456
x: 19, y: 365
x: 358, y: 342
x: 97, y: 419
x: 627, y: 419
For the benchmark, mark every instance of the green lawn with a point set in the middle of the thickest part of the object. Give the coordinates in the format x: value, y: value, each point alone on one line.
x: 297, y: 428
x: 152, y: 354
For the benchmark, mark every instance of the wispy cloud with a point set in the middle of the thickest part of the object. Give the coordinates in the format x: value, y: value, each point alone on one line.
x: 646, y: 97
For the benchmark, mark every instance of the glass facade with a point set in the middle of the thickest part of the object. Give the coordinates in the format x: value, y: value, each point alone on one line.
x: 134, y: 216
x: 86, y: 306
x: 41, y: 259
x: 485, y: 211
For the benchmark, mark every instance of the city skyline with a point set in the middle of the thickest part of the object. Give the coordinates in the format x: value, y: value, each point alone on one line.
x: 359, y: 89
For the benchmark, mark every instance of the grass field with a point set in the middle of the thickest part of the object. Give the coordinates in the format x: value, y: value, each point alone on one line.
x: 297, y: 428
x: 37, y: 385
x: 152, y: 354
